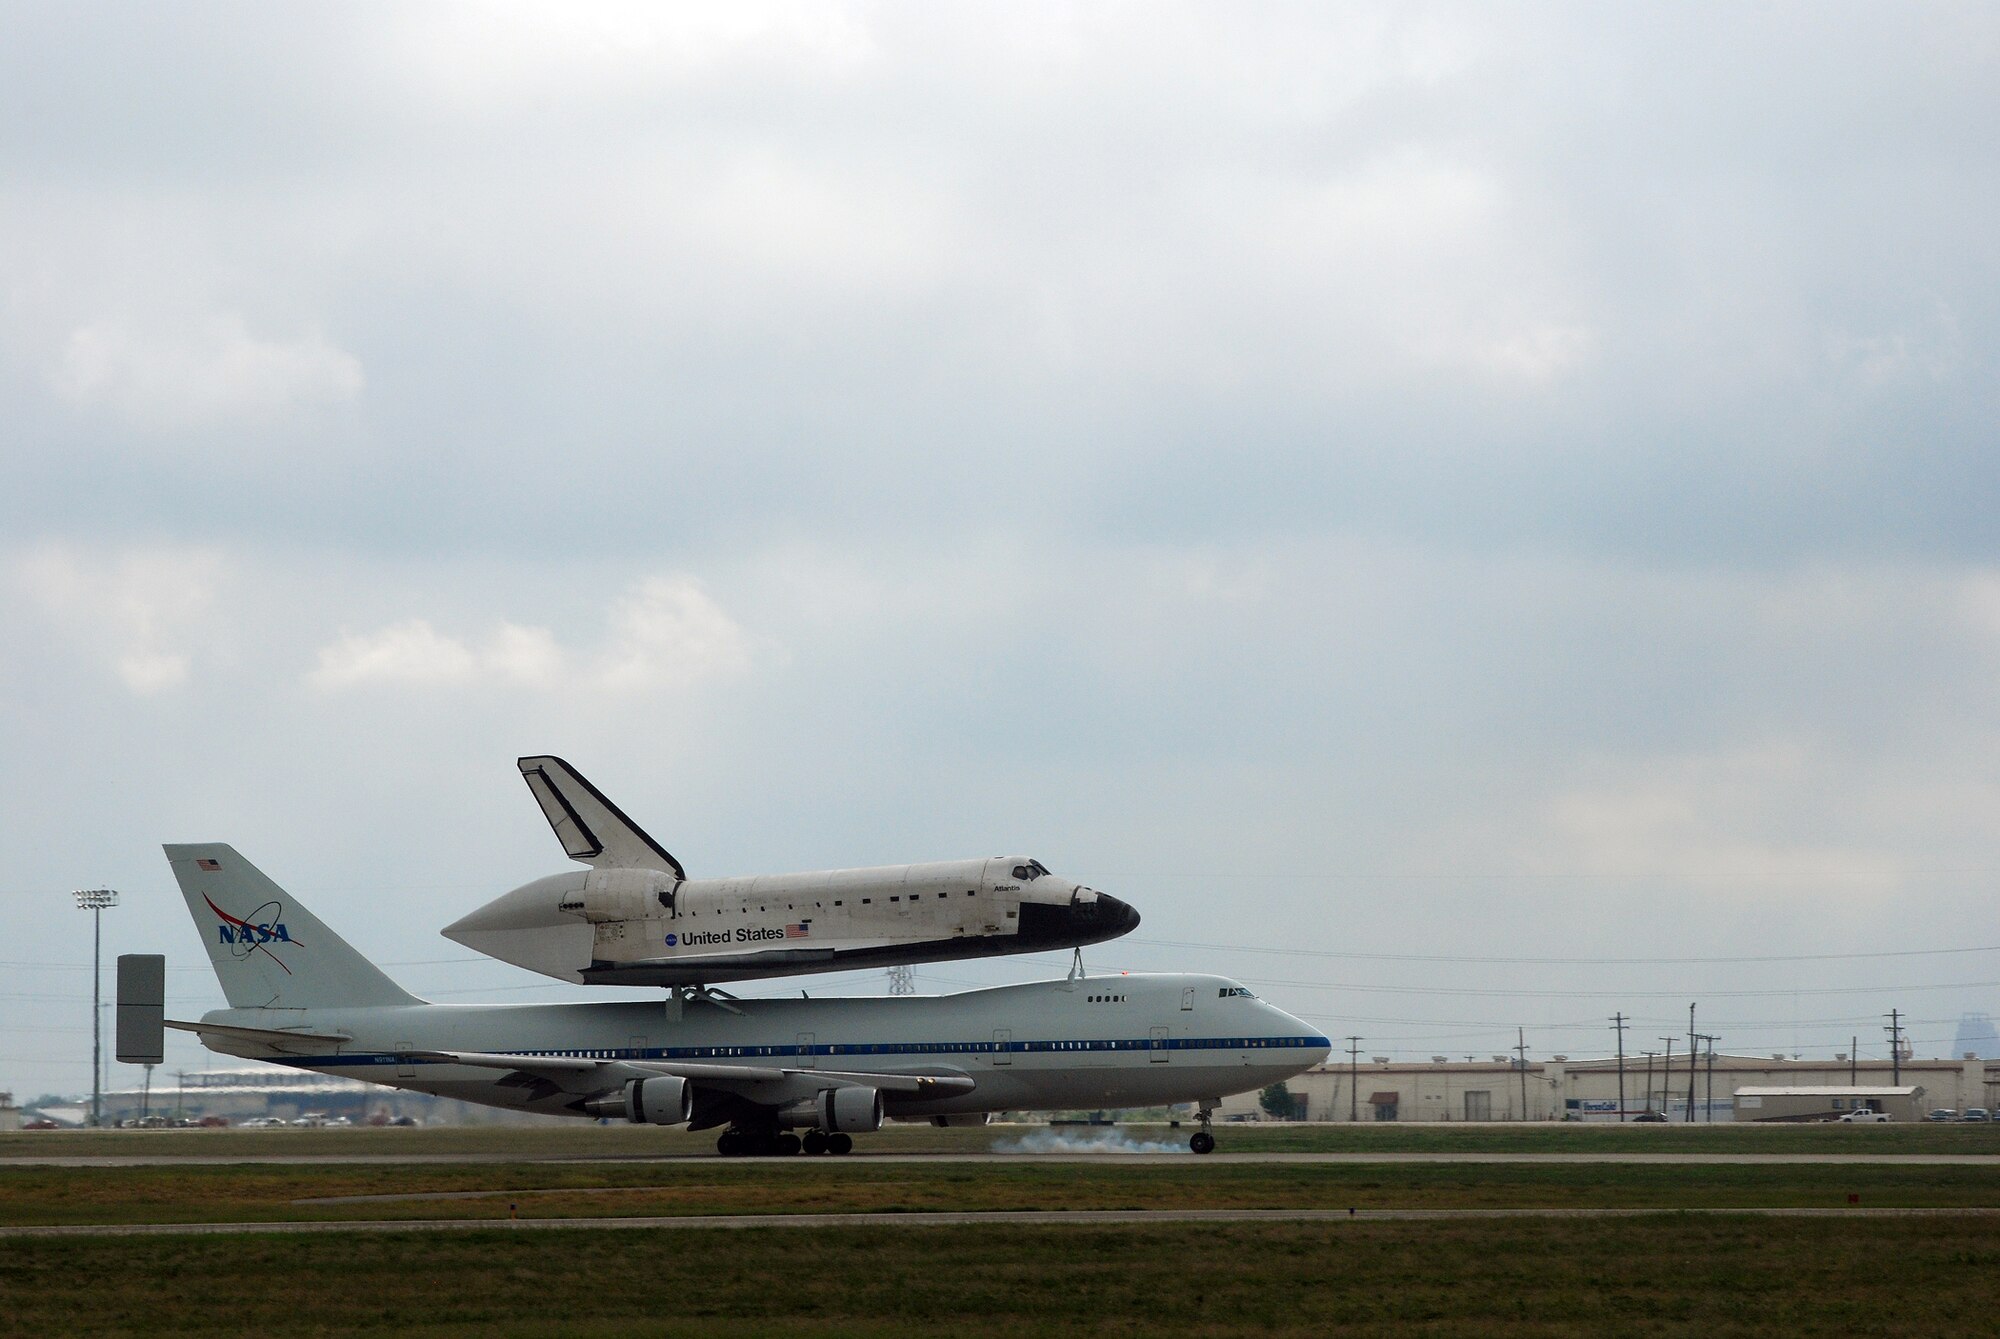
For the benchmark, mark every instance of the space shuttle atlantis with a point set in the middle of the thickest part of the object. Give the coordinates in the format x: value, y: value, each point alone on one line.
x: 635, y: 918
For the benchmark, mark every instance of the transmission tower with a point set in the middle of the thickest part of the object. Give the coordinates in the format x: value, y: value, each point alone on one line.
x: 901, y: 980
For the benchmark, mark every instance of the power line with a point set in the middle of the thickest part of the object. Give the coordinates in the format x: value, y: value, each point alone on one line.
x: 1499, y: 993
x: 1559, y: 962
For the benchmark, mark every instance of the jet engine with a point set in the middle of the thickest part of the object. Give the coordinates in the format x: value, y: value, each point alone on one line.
x: 660, y: 1100
x: 851, y: 1110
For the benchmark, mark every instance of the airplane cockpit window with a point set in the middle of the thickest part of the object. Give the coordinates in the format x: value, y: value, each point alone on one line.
x: 1228, y: 992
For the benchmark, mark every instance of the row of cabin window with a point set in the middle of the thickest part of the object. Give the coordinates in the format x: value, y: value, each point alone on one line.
x: 1107, y: 999
x: 937, y: 1047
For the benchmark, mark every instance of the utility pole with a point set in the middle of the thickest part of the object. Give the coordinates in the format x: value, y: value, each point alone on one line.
x: 1692, y: 1048
x: 1853, y: 1061
x: 1521, y: 1051
x: 1708, y: 1097
x: 1618, y: 1022
x: 94, y: 901
x: 1353, y: 1079
x: 1667, y: 1076
x: 1649, y: 1079
x: 1895, y: 1031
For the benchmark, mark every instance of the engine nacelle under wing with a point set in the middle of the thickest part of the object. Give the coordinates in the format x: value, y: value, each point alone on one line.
x: 664, y: 1099
x: 852, y: 1110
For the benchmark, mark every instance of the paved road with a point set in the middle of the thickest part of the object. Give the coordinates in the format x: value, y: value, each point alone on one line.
x: 860, y: 1159
x: 1079, y: 1218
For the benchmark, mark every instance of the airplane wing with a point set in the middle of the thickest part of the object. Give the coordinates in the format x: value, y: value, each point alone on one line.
x: 590, y: 827
x: 731, y: 1078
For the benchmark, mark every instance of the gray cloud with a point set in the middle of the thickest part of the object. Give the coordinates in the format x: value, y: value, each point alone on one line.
x: 1402, y: 479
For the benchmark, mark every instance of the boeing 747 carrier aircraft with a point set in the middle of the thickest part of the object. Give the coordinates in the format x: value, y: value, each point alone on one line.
x: 634, y: 918
x: 758, y: 1069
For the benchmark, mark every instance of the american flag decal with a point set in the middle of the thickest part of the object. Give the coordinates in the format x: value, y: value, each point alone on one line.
x: 798, y: 931
x: 210, y: 865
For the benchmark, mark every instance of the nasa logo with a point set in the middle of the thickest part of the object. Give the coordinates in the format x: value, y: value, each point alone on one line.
x: 244, y: 935
x: 673, y: 940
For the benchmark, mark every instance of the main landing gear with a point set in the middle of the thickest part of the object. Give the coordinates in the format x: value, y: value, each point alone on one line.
x: 1203, y: 1141
x: 742, y: 1143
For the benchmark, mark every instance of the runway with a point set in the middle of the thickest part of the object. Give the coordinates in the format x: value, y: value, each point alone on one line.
x: 1035, y: 1218
x: 862, y: 1159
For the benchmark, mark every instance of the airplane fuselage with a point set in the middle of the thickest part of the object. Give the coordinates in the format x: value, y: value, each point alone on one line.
x: 1115, y: 1041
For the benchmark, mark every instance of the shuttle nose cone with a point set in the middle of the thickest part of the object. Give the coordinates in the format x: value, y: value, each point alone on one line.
x: 1117, y: 917
x: 1044, y: 925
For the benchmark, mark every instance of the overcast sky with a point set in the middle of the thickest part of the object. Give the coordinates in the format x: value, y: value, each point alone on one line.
x: 1383, y: 489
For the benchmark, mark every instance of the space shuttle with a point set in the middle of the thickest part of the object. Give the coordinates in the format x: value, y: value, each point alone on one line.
x: 634, y: 917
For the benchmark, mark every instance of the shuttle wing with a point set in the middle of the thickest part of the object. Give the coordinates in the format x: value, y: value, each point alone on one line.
x: 591, y: 828
x: 730, y: 1078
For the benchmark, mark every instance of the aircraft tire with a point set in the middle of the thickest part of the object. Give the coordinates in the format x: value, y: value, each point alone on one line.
x: 815, y: 1143
x: 785, y: 1145
x: 1203, y: 1142
x: 729, y: 1144
x: 839, y: 1143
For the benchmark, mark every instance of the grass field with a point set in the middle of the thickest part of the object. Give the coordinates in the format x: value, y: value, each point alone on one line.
x: 278, y: 1192
x: 1646, y: 1276
x: 1663, y: 1273
x: 586, y: 1140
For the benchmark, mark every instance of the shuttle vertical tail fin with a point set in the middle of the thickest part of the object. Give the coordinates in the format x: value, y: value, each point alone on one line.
x: 590, y: 827
x: 268, y: 951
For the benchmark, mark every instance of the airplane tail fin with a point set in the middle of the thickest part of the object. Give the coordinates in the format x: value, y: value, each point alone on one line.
x: 268, y: 951
x: 590, y: 827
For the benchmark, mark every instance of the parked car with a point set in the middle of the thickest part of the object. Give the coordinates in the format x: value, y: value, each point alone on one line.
x: 1650, y: 1118
x: 1942, y: 1113
x: 1976, y: 1114
x: 43, y: 1124
x: 1863, y: 1116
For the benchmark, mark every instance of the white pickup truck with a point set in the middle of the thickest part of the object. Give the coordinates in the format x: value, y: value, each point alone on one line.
x: 1863, y: 1116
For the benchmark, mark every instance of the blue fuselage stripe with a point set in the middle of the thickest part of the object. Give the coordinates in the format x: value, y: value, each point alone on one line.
x: 835, y: 1050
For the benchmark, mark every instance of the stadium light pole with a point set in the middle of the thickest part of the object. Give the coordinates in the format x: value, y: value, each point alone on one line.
x: 94, y: 901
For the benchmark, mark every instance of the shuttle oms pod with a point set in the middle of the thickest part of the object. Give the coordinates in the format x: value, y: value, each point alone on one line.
x: 634, y: 918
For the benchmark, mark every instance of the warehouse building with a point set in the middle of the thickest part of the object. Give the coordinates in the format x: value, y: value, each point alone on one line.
x: 1502, y: 1089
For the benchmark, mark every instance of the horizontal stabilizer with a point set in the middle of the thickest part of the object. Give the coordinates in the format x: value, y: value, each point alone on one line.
x: 226, y: 1037
x: 259, y: 1033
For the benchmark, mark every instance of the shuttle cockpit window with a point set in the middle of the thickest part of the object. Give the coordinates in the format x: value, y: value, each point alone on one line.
x: 1030, y: 871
